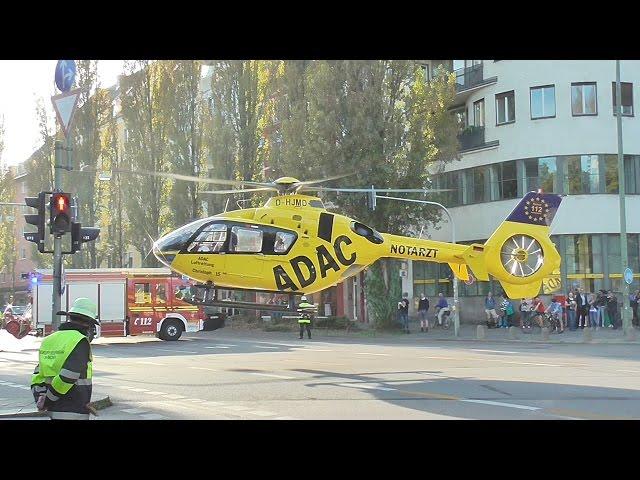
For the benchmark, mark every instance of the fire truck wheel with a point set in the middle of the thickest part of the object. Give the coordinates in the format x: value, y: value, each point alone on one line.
x: 171, y: 330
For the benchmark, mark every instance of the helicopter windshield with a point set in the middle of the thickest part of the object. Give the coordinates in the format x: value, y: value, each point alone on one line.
x: 210, y: 239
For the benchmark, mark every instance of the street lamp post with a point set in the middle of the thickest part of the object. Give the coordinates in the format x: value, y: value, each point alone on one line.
x: 626, y: 313
x: 456, y: 317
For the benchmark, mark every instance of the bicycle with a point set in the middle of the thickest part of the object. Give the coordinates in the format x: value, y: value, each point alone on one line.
x: 445, y: 319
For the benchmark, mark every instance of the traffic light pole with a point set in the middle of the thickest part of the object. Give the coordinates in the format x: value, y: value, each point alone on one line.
x: 57, y: 243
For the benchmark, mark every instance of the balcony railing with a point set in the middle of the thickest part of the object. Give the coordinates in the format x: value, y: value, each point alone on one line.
x: 468, y: 77
x: 471, y: 137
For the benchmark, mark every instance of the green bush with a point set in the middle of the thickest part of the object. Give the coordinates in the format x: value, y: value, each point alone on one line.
x: 335, y: 323
x: 279, y: 327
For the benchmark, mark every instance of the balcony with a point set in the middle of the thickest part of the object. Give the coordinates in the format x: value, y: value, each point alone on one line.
x: 469, y: 79
x: 472, y: 138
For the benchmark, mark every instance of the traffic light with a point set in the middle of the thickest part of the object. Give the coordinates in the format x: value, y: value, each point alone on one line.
x: 80, y: 235
x: 36, y: 219
x: 60, y: 213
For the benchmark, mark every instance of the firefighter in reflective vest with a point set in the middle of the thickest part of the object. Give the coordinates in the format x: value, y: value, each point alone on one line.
x: 61, y: 382
x: 306, y: 311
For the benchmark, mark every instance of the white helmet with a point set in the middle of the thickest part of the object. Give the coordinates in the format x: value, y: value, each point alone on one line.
x: 303, y: 298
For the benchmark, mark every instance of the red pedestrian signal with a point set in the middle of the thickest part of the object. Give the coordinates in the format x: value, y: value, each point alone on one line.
x: 60, y: 213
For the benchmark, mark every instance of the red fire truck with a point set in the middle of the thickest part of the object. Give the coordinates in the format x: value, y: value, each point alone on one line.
x: 131, y: 301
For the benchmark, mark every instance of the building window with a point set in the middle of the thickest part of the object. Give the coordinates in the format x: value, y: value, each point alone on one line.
x: 584, y: 99
x: 505, y: 108
x: 543, y: 102
x: 509, y: 184
x: 425, y: 71
x: 478, y: 113
x: 583, y: 254
x: 582, y: 174
x: 540, y: 173
x: 627, y: 98
x: 478, y: 184
x: 23, y: 253
x: 611, y: 173
x: 461, y: 116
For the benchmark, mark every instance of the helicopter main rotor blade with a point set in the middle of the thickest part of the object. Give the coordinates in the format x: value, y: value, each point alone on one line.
x: 243, y: 190
x: 389, y: 190
x: 335, y: 177
x: 189, y: 178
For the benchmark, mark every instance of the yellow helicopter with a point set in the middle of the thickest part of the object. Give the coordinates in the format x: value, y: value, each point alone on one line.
x: 294, y: 245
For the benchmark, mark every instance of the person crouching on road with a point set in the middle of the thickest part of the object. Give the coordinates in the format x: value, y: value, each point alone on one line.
x: 61, y: 382
x: 306, y: 311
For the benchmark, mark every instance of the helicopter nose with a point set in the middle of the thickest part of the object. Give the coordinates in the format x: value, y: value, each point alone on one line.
x: 166, y: 248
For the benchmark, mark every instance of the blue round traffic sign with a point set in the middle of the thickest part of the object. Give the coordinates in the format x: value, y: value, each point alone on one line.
x: 65, y: 74
x: 628, y: 275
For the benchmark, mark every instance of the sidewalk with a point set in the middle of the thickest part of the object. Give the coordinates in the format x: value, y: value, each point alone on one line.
x: 468, y: 333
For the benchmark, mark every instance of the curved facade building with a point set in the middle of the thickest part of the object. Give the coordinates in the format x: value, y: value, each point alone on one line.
x: 549, y: 124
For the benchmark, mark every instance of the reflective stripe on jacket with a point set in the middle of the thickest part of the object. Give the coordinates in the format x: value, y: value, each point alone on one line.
x: 305, y: 307
x: 64, y: 373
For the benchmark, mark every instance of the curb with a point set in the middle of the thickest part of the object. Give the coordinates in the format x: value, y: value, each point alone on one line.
x: 99, y: 404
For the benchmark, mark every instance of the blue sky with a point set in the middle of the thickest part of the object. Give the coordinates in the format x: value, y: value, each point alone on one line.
x: 21, y: 83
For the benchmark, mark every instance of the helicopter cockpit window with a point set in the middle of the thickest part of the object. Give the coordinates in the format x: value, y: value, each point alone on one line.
x: 209, y: 240
x: 283, y: 241
x: 245, y: 240
x: 367, y: 232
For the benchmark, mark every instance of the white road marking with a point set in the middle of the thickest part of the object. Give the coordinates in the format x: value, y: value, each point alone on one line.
x: 175, y: 351
x: 315, y: 349
x: 219, y: 346
x: 149, y: 392
x: 271, y: 375
x: 261, y: 413
x: 204, y: 368
x: 237, y: 408
x: 365, y: 386
x: 378, y: 354
x: 173, y: 396
x: 444, y: 358
x: 153, y: 416
x: 263, y: 346
x: 134, y: 411
x: 125, y: 387
x: 138, y: 390
x: 281, y: 344
x: 225, y: 345
x: 628, y: 371
x: 194, y: 400
x: 152, y: 363
x: 493, y: 351
x: 501, y: 404
x: 285, y: 418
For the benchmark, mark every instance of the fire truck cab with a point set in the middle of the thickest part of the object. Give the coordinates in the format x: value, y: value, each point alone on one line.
x: 131, y: 301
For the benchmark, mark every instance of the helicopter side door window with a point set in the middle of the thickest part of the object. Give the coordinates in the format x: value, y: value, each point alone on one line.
x: 210, y: 240
x: 245, y: 240
x: 283, y: 241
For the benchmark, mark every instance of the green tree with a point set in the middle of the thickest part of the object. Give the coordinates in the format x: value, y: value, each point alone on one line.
x: 143, y: 98
x: 8, y: 239
x: 92, y: 115
x: 185, y: 132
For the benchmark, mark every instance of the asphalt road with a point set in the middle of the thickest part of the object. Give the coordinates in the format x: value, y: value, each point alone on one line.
x: 245, y: 375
